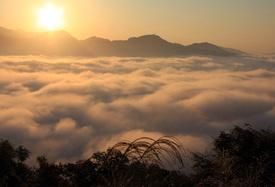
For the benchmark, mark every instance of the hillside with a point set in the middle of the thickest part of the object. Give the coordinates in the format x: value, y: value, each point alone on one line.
x: 61, y: 43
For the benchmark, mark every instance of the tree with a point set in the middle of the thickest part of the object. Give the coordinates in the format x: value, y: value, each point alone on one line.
x: 13, y: 172
x: 241, y: 157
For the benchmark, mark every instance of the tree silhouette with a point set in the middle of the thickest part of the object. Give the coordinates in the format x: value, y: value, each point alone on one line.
x: 140, y: 162
x: 13, y: 172
x: 240, y: 157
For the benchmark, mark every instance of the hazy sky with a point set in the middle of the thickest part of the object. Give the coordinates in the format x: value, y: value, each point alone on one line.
x: 243, y: 24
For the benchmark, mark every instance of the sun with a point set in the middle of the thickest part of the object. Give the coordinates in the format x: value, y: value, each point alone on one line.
x: 50, y: 17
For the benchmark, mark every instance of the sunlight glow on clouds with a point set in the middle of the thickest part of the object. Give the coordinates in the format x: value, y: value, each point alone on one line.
x: 68, y: 108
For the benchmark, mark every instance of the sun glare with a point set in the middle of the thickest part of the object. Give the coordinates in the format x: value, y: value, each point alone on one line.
x: 50, y: 17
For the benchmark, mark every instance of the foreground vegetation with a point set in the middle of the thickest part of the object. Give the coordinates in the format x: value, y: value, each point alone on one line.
x: 241, y: 157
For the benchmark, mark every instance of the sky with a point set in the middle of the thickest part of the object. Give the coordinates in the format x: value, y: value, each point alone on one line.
x: 247, y: 25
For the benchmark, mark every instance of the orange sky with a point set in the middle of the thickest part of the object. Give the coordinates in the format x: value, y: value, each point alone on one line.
x: 247, y: 25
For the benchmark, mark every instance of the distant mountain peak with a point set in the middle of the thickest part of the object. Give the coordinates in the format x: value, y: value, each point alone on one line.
x: 3, y: 28
x: 60, y: 42
x: 57, y: 33
x: 97, y: 39
x: 202, y: 44
x: 149, y: 38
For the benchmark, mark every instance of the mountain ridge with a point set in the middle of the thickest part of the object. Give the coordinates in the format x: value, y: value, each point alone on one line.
x: 62, y: 43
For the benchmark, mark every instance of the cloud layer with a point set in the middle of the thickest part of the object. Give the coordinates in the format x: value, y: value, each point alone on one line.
x: 69, y: 108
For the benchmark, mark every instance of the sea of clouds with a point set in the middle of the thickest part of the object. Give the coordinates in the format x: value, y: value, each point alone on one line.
x: 67, y: 108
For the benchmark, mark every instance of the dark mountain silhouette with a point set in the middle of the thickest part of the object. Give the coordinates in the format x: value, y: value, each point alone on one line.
x: 38, y: 43
x: 61, y: 43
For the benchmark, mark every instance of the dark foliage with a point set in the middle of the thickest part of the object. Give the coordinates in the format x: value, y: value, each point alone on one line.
x: 242, y: 157
x: 12, y: 169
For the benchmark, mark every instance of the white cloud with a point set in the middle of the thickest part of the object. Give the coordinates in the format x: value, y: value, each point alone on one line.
x: 69, y: 107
